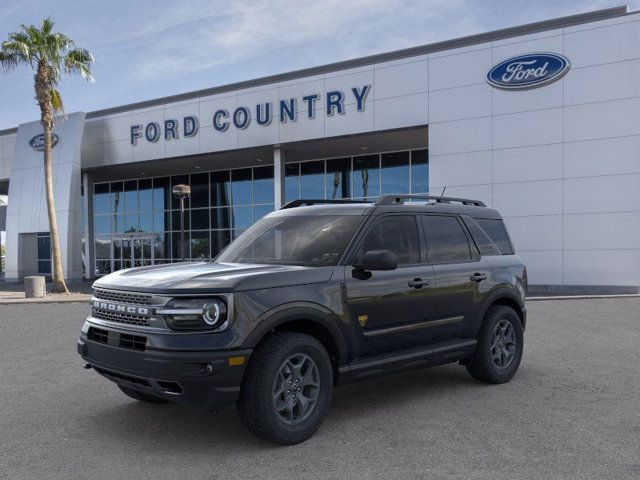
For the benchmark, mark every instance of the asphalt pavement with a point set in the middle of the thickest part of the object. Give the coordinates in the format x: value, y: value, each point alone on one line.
x: 572, y: 411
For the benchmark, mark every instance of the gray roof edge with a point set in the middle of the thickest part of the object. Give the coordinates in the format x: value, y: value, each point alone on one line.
x: 469, y: 40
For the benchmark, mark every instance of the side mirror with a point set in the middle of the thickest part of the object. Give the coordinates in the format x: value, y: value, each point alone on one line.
x: 378, y: 260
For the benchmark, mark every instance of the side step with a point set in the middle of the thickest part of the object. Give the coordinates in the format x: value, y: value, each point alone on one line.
x: 407, y: 360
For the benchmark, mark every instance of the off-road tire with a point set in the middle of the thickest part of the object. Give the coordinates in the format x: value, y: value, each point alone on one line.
x: 257, y: 404
x: 482, y: 365
x: 141, y: 396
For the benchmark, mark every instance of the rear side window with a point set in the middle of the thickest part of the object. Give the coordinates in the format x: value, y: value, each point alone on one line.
x: 446, y: 239
x: 398, y: 234
x: 484, y: 243
x: 497, y: 232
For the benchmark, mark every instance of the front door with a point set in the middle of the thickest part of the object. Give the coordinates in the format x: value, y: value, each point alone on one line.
x: 390, y: 310
x: 132, y: 251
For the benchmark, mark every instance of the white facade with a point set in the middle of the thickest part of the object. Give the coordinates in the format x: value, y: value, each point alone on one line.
x: 560, y: 162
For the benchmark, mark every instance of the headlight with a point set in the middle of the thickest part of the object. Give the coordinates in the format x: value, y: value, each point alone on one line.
x: 194, y: 313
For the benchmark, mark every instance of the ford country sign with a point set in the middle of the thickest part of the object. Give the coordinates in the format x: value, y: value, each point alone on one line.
x: 528, y: 71
x: 37, y: 142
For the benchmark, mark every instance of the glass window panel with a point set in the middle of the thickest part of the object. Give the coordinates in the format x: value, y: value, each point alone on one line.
x: 118, y: 223
x: 200, y: 245
x: 366, y: 176
x: 101, y: 198
x: 338, y: 180
x: 199, y: 190
x: 260, y: 211
x: 220, y: 189
x: 395, y: 172
x: 161, y: 242
x: 131, y: 223
x: 420, y: 171
x: 291, y: 182
x: 103, y: 267
x: 131, y: 196
x: 241, y: 186
x: 102, y: 224
x: 102, y: 246
x: 396, y: 233
x: 117, y: 190
x: 175, y: 245
x: 44, y: 267
x: 145, y: 195
x: 179, y: 180
x: 175, y: 220
x: 312, y: 180
x: 161, y: 194
x: 219, y: 240
x: 117, y: 266
x: 200, y: 219
x: 44, y: 247
x: 161, y: 221
x: 146, y: 222
x: 220, y: 218
x: 242, y: 217
x: 263, y: 185
x: 446, y: 239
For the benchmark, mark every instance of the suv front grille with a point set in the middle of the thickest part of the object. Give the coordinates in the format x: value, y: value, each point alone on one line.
x: 133, y: 342
x: 98, y: 335
x: 126, y: 318
x: 122, y: 297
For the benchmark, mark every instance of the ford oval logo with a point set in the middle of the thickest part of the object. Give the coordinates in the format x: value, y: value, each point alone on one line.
x: 37, y: 142
x: 528, y: 71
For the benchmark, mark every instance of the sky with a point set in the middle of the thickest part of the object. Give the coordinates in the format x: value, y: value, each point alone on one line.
x: 150, y: 49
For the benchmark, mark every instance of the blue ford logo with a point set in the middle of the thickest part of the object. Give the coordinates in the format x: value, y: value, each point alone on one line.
x: 528, y: 71
x: 37, y: 142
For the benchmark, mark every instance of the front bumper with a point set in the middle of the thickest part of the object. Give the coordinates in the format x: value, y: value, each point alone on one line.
x: 204, y: 379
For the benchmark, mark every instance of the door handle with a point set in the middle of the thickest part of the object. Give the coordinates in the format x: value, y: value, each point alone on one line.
x: 478, y: 277
x: 418, y: 283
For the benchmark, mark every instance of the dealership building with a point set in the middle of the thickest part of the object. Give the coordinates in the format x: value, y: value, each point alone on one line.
x: 541, y: 121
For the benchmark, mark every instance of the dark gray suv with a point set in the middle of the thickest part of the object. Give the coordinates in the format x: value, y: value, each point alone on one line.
x: 317, y: 294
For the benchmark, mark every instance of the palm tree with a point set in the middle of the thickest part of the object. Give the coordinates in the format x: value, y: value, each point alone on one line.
x: 48, y: 54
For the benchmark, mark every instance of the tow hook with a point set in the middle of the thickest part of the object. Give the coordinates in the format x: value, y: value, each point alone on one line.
x: 87, y: 366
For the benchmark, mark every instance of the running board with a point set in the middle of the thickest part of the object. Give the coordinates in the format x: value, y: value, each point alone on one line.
x: 407, y: 360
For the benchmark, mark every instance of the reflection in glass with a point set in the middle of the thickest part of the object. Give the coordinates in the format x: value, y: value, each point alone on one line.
x: 118, y: 223
x: 102, y: 247
x: 291, y: 182
x: 145, y: 223
x: 263, y: 185
x: 160, y: 243
x: 200, y: 245
x: 200, y: 219
x: 420, y: 171
x: 312, y: 180
x: 338, y: 179
x: 260, y: 211
x: 220, y: 189
x: 242, y: 217
x: 175, y: 220
x: 395, y: 172
x: 161, y: 194
x: 220, y: 218
x: 366, y: 176
x: 131, y: 223
x: 131, y: 196
x: 101, y: 198
x: 241, y: 186
x: 116, y: 197
x: 219, y: 240
x: 145, y: 195
x: 161, y: 221
x: 199, y: 190
x: 102, y: 224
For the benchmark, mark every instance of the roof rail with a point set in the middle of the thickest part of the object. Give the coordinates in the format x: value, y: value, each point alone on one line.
x: 300, y: 203
x: 399, y: 199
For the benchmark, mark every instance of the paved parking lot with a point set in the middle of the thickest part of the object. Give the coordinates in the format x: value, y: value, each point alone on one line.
x: 571, y: 412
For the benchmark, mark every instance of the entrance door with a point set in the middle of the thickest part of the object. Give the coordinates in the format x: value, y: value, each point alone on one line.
x: 132, y: 251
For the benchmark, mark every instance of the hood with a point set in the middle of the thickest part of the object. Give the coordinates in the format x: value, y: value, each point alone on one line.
x: 209, y: 277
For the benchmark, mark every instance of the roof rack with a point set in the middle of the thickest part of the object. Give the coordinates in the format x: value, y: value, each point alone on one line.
x: 301, y: 202
x: 399, y: 200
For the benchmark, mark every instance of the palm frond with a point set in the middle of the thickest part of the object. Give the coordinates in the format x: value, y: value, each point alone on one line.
x: 56, y: 101
x: 79, y: 60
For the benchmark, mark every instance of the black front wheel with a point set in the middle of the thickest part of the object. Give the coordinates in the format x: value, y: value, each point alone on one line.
x: 286, y: 390
x: 500, y: 345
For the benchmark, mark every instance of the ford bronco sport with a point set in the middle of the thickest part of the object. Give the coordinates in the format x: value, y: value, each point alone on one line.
x: 316, y: 294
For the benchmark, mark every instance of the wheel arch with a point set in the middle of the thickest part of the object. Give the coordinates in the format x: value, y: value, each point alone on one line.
x: 313, y: 320
x: 505, y: 297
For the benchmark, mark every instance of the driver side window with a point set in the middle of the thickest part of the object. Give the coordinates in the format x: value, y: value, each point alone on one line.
x: 398, y: 234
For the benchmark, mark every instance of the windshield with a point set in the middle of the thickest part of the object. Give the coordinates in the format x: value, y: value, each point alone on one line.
x: 313, y: 240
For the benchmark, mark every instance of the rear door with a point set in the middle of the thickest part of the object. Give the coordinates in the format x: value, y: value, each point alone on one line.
x: 462, y: 277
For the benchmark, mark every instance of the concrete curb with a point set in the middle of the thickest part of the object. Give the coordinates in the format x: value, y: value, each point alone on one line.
x: 581, y: 297
x: 73, y: 298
